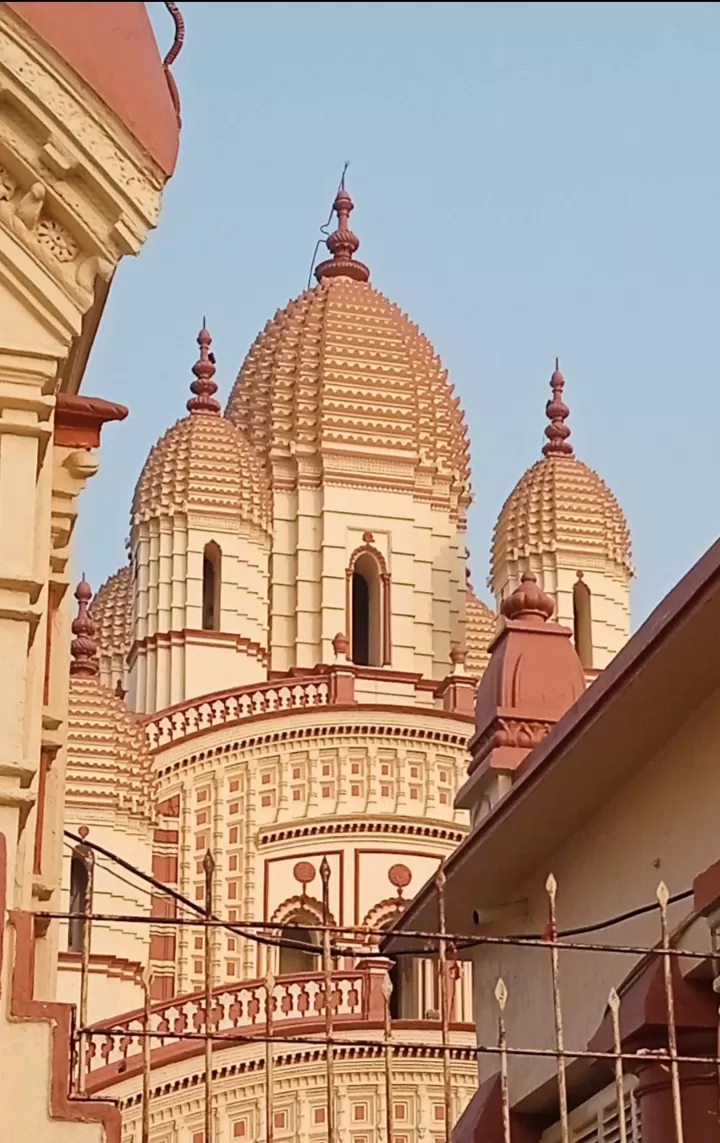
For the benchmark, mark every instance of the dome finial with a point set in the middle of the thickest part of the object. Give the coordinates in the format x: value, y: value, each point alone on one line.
x: 557, y: 413
x: 83, y: 648
x: 204, y: 386
x: 528, y: 601
x: 342, y: 244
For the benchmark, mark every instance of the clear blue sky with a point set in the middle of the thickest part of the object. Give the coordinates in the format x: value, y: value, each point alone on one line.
x: 529, y: 180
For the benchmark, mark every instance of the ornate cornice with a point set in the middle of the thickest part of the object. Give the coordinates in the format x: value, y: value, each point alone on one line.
x: 345, y: 721
x: 391, y: 826
x: 77, y: 191
x: 78, y: 420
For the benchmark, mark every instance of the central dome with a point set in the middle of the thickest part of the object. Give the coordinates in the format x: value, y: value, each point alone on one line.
x: 342, y: 372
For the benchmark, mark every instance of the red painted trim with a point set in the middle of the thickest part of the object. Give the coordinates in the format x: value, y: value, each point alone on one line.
x: 59, y: 1016
x: 112, y: 48
x: 78, y: 420
x: 362, y: 712
x: 185, y: 1049
x: 45, y: 762
x: 53, y: 602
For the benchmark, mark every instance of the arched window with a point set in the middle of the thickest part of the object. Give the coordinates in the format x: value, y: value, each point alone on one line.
x: 296, y: 960
x: 212, y: 560
x: 368, y: 608
x: 79, y: 902
x: 582, y: 622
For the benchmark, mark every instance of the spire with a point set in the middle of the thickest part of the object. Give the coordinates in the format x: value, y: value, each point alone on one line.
x: 83, y: 648
x: 342, y: 244
x: 204, y: 386
x: 557, y: 413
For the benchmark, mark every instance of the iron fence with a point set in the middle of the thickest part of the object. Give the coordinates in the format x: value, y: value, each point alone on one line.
x: 340, y: 996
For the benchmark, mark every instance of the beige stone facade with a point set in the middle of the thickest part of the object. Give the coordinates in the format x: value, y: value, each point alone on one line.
x: 283, y: 676
x: 298, y: 636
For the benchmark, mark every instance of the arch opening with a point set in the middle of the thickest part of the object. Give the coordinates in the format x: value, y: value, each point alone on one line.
x: 212, y: 563
x: 79, y: 902
x: 294, y: 961
x: 366, y: 643
x: 405, y: 976
x: 582, y: 623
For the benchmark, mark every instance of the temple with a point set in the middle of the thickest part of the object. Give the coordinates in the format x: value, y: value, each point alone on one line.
x: 286, y: 668
x: 235, y: 777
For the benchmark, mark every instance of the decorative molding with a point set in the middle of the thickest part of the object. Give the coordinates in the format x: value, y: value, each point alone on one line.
x: 521, y: 733
x: 78, y: 420
x: 197, y: 636
x: 364, y: 725
x: 458, y: 1053
x: 440, y: 832
x: 297, y: 905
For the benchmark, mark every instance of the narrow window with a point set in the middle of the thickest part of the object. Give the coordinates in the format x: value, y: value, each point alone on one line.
x: 360, y: 620
x: 582, y: 622
x: 297, y: 960
x: 78, y: 903
x: 366, y: 619
x: 211, y: 588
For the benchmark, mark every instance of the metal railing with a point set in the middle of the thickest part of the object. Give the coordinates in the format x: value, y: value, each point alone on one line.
x: 331, y: 1008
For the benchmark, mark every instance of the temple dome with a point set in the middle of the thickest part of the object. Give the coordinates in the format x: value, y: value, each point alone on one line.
x: 343, y: 372
x: 560, y: 505
x: 109, y: 762
x: 111, y: 612
x: 480, y: 630
x: 204, y: 461
x: 560, y: 502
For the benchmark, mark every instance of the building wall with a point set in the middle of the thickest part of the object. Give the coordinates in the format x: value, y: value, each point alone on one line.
x: 612, y: 864
x: 300, y: 1095
x: 119, y: 951
x: 316, y: 533
x: 364, y: 788
x: 173, y: 659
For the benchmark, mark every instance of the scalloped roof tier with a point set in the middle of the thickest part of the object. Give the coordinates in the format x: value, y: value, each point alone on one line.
x: 203, y: 462
x: 108, y: 759
x: 342, y: 370
x: 111, y: 612
x: 480, y: 630
x: 561, y: 504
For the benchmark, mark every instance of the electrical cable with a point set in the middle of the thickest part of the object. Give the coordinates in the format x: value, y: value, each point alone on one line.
x: 285, y: 942
x: 193, y: 906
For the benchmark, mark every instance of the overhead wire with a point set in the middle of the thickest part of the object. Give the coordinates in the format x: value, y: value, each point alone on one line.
x: 460, y: 943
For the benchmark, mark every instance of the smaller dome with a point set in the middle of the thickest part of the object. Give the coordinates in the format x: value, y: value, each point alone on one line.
x: 480, y: 630
x: 560, y: 504
x: 108, y: 761
x: 111, y: 612
x: 203, y: 461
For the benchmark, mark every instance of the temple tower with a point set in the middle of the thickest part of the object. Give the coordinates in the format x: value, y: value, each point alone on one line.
x: 562, y: 522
